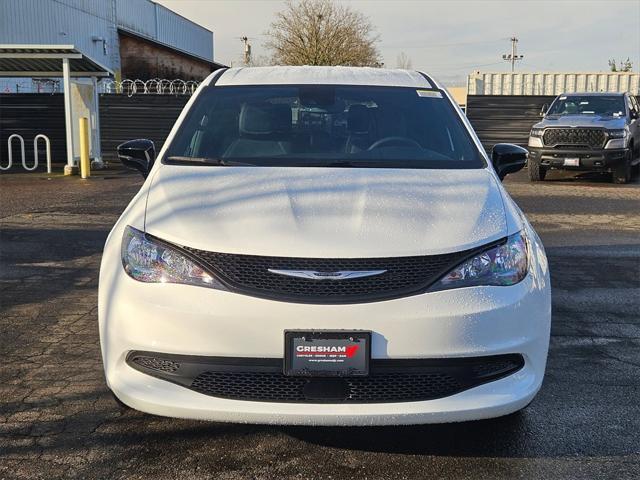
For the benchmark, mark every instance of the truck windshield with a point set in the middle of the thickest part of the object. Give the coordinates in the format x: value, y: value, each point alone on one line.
x: 320, y: 125
x: 605, y: 105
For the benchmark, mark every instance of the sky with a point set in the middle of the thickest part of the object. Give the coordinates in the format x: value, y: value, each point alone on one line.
x: 450, y: 39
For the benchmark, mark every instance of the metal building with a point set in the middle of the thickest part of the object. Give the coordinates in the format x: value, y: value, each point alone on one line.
x: 553, y: 83
x: 132, y: 38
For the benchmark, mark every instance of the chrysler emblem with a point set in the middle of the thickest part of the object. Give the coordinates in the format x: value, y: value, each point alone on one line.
x: 315, y: 275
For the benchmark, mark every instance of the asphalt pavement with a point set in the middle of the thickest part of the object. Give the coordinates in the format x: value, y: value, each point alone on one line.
x: 58, y: 420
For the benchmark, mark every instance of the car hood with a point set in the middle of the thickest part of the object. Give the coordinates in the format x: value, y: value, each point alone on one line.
x: 581, y: 121
x: 325, y: 212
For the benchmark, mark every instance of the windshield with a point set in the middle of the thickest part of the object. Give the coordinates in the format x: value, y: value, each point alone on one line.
x: 318, y: 125
x: 606, y: 105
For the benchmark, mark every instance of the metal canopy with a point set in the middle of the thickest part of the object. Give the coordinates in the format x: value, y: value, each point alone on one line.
x: 45, y: 61
x: 55, y: 61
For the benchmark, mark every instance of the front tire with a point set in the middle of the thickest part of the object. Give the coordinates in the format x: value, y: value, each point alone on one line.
x: 622, y: 173
x: 536, y: 172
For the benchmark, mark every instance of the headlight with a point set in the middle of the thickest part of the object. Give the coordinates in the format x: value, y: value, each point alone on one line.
x: 535, y: 142
x: 617, y: 133
x: 150, y: 261
x: 536, y: 132
x: 617, y: 139
x: 502, y: 265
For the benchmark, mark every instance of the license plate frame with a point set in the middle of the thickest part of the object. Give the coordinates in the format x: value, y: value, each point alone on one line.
x: 344, y: 361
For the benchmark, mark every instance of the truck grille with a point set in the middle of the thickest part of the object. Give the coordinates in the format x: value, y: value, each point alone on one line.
x: 592, y: 137
x: 390, y: 380
x: 403, y: 276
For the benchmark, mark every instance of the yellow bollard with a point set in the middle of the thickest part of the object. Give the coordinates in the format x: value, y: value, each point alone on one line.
x: 85, y: 166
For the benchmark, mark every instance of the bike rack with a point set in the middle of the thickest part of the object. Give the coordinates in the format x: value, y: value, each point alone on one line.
x: 35, y: 152
x: 9, y: 144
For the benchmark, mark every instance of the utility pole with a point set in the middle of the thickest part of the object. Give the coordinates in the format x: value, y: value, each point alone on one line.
x: 513, y: 56
x: 246, y: 57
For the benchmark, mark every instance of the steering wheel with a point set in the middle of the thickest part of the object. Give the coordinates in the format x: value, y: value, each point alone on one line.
x: 386, y: 140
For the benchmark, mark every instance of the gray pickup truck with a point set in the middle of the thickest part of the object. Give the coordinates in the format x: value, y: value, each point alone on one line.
x: 587, y: 131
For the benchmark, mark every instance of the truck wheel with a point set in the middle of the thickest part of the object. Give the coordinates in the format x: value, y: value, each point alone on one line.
x: 622, y: 173
x: 536, y: 172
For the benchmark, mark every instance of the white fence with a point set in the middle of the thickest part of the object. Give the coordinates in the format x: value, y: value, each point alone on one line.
x: 508, y: 83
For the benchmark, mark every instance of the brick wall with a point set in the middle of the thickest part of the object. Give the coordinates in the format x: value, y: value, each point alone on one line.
x: 142, y: 59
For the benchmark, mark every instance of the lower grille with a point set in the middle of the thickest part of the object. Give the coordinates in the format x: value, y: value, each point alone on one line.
x: 390, y: 380
x: 570, y: 137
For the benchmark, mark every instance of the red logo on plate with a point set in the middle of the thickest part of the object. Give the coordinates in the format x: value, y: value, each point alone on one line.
x: 351, y: 350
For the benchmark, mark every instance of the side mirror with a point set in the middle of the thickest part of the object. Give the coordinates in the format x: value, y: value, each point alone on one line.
x: 508, y: 158
x: 633, y: 114
x: 138, y: 155
x: 543, y: 110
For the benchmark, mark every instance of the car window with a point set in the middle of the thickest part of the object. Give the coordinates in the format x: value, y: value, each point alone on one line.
x: 606, y: 105
x: 317, y: 125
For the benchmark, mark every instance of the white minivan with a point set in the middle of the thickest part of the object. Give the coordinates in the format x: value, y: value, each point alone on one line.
x: 323, y: 246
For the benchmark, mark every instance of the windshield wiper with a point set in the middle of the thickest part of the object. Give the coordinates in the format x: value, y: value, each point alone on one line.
x: 207, y: 161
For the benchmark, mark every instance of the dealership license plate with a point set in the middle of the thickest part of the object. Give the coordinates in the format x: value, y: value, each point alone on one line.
x: 571, y: 162
x: 327, y: 353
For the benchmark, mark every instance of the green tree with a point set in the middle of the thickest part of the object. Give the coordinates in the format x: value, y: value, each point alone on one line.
x: 625, y: 66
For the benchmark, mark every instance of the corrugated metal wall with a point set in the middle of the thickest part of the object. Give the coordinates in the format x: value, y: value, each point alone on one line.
x: 183, y: 34
x: 29, y: 115
x: 140, y: 116
x: 501, y: 118
x: 69, y: 22
x: 137, y: 16
x: 158, y: 23
x: 121, y: 118
x: 75, y: 22
x: 508, y: 83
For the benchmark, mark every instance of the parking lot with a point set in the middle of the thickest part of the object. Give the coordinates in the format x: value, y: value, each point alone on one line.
x: 57, y: 418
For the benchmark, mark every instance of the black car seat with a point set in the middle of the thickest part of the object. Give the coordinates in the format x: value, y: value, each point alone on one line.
x: 358, y: 126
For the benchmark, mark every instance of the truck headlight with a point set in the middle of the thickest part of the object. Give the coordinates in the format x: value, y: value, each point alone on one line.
x: 535, y: 137
x: 502, y: 265
x: 148, y: 260
x: 621, y: 133
x: 618, y: 138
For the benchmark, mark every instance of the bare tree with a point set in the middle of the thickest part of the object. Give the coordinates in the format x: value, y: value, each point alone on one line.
x: 322, y: 32
x: 403, y: 61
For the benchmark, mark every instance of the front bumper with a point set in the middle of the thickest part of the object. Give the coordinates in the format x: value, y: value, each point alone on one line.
x: 470, y: 322
x: 596, y: 159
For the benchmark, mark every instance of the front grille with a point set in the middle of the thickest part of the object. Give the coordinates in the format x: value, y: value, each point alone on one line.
x: 390, y: 380
x: 249, y: 274
x: 376, y: 388
x: 570, y: 137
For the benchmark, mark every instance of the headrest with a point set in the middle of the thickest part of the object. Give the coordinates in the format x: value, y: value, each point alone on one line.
x: 358, y: 119
x: 264, y: 118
